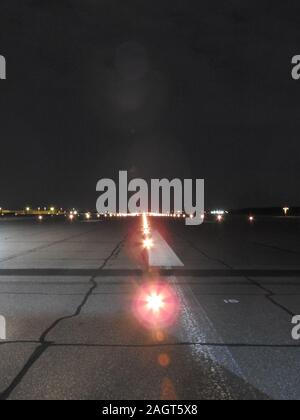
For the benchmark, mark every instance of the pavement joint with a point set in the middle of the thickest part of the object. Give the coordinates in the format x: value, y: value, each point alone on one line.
x: 39, y: 248
x: 43, y: 343
x: 269, y: 294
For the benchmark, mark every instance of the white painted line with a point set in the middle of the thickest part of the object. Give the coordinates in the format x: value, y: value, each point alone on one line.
x: 2, y: 328
x: 197, y: 327
x: 161, y: 254
x: 231, y: 301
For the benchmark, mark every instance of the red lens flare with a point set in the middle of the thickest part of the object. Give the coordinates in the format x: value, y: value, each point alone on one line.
x: 156, y: 305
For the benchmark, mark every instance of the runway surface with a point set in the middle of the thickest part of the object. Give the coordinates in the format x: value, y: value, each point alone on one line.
x: 68, y: 293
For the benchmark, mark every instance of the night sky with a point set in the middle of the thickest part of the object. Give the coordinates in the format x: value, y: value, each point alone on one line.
x: 190, y: 88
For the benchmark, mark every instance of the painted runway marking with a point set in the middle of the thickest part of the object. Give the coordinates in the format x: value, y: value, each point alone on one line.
x: 231, y: 301
x: 161, y: 254
x: 2, y: 328
x: 198, y: 328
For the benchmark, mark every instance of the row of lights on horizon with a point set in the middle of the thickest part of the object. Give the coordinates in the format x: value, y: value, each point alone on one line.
x: 73, y: 214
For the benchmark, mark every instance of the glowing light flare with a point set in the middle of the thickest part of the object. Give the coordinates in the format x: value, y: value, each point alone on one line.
x: 145, y: 220
x: 156, y: 305
x: 286, y: 210
x: 220, y: 218
x: 146, y: 231
x: 155, y: 302
x: 164, y: 360
x: 148, y: 243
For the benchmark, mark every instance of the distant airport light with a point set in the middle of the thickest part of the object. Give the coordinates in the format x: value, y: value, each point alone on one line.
x: 27, y: 209
x: 146, y: 231
x: 286, y: 210
x: 251, y: 219
x: 40, y: 218
x: 88, y: 216
x: 71, y: 217
x: 219, y: 218
x: 218, y: 212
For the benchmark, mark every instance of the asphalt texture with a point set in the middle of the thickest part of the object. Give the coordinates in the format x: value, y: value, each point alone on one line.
x: 67, y: 293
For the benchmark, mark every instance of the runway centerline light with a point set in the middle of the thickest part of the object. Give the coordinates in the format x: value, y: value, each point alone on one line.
x: 146, y: 231
x: 155, y: 302
x: 156, y: 305
x: 148, y: 243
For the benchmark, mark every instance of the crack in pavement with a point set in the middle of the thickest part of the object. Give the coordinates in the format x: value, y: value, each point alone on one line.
x: 277, y: 248
x: 44, y: 344
x: 158, y: 345
x: 39, y: 248
x: 269, y: 295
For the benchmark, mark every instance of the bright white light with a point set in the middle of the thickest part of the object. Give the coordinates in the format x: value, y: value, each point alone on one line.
x: 148, y: 243
x: 218, y: 212
x: 88, y: 216
x: 146, y: 231
x: 155, y: 302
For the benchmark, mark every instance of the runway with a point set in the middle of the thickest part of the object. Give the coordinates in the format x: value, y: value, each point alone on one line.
x: 68, y: 290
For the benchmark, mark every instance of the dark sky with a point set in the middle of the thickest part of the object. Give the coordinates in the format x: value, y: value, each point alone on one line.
x: 161, y: 88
